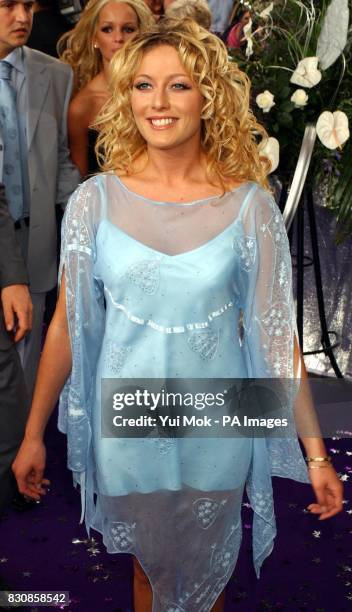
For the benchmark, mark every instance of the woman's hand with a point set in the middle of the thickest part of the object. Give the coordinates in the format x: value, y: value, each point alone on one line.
x: 328, y: 490
x: 28, y: 468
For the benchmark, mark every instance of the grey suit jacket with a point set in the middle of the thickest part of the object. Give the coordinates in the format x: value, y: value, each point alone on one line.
x: 12, y: 268
x: 52, y: 175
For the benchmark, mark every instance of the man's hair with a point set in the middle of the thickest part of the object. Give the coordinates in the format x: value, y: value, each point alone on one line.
x: 229, y: 130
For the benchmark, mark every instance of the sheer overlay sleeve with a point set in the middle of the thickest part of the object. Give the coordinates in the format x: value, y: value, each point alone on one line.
x: 86, y: 316
x: 269, y: 330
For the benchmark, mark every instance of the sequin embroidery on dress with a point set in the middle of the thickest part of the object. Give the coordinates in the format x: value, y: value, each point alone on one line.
x: 207, y: 511
x: 122, y: 536
x: 204, y: 343
x: 245, y: 248
x: 115, y: 357
x: 146, y: 275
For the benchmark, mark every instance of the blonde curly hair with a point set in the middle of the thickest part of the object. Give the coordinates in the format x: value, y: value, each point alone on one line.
x: 229, y: 132
x: 77, y: 46
x: 194, y: 9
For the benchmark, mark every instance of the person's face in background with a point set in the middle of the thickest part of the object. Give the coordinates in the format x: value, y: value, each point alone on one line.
x: 156, y: 7
x: 246, y: 18
x: 16, y: 17
x: 166, y: 104
x: 117, y: 23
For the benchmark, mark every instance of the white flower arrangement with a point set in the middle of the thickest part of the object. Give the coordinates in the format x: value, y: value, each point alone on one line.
x: 307, y: 73
x: 299, y: 98
x: 332, y: 129
x: 299, y: 65
x: 270, y: 148
x: 265, y: 101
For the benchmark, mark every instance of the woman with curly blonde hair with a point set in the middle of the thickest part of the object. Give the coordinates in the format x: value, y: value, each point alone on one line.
x: 229, y: 147
x: 175, y: 290
x: 104, y: 27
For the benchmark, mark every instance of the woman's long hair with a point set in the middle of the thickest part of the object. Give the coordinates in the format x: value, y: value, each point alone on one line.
x: 229, y: 131
x: 77, y: 46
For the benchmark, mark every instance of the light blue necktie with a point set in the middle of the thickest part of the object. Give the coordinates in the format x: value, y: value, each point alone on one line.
x: 12, y: 177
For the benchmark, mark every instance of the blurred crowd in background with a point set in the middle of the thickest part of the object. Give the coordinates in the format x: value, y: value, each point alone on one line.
x: 52, y: 18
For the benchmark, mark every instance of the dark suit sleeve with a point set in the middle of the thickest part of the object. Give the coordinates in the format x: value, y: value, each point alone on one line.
x: 12, y: 268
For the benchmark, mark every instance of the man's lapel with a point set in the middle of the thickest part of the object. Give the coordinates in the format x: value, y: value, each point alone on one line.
x: 38, y: 82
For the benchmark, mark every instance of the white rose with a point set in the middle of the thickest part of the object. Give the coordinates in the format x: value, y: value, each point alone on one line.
x: 265, y: 101
x: 299, y: 98
x: 270, y: 148
x: 307, y: 73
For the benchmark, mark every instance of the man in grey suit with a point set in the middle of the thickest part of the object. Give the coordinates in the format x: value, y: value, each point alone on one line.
x: 41, y: 87
x: 15, y: 321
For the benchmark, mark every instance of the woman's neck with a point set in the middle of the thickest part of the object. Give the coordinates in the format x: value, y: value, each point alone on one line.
x: 174, y: 166
x: 104, y: 72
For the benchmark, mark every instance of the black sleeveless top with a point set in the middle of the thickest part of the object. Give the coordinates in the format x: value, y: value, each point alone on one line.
x: 93, y: 167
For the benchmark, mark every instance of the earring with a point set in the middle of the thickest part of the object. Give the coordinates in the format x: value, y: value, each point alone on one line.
x: 95, y: 46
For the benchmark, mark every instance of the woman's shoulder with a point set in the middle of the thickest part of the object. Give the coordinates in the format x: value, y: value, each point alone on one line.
x: 246, y: 189
x: 80, y: 104
x: 88, y: 202
x: 91, y: 189
x: 87, y: 102
x: 256, y: 191
x: 96, y: 185
x: 254, y: 201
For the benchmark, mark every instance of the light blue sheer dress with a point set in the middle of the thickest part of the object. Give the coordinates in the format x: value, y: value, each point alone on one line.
x: 163, y: 290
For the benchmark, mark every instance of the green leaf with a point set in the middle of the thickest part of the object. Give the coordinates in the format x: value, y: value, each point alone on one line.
x: 287, y: 107
x: 285, y: 119
x: 284, y: 92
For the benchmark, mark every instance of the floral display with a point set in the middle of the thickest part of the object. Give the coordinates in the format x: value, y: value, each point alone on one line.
x: 299, y: 62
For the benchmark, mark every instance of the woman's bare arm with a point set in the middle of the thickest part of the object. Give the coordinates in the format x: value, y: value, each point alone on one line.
x: 326, y: 484
x: 78, y: 123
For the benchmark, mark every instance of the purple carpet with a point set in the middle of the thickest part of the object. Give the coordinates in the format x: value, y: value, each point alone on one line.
x: 310, y: 569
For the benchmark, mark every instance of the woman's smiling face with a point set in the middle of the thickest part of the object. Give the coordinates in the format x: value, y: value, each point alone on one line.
x: 166, y: 104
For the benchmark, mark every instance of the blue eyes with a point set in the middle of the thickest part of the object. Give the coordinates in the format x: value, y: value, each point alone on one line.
x: 178, y: 86
x: 181, y: 86
x: 141, y: 86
